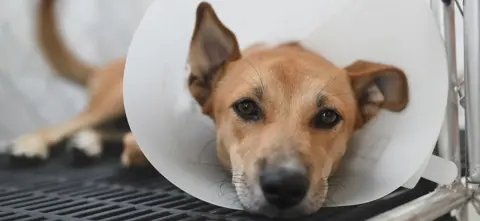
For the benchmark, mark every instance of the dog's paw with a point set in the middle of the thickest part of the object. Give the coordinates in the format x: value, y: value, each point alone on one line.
x: 86, y: 147
x: 29, y: 149
x: 134, y: 158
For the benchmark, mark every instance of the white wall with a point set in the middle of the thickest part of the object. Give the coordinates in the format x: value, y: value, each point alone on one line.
x: 30, y: 95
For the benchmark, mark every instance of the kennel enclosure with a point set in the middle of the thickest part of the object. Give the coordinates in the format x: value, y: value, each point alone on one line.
x: 108, y: 192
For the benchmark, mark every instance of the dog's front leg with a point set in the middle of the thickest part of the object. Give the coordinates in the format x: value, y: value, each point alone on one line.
x: 36, y: 146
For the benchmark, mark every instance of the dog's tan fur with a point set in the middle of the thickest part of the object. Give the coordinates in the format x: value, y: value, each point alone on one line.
x: 290, y: 84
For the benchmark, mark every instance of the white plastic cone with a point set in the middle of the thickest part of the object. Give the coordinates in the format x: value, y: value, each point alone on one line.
x: 390, y: 152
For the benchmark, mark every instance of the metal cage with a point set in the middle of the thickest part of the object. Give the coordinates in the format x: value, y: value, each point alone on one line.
x: 463, y: 194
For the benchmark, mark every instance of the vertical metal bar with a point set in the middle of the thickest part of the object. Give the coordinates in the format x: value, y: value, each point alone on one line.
x: 472, y: 87
x: 449, y: 139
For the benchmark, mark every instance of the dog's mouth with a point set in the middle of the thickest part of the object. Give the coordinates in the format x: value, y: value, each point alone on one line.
x: 254, y: 202
x: 289, y: 199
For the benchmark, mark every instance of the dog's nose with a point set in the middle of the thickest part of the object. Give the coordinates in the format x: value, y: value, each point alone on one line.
x: 284, y: 187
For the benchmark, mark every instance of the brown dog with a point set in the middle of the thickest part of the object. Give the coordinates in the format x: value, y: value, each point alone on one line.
x: 283, y: 114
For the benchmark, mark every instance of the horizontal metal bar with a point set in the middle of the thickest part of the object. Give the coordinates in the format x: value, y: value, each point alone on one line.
x: 429, y: 207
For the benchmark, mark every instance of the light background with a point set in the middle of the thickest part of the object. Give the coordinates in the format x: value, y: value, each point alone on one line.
x: 30, y: 95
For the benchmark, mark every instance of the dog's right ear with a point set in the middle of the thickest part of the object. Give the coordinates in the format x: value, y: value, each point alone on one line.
x: 212, y: 46
x: 377, y: 86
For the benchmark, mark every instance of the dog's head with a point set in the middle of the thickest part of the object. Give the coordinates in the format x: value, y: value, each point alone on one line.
x: 283, y: 115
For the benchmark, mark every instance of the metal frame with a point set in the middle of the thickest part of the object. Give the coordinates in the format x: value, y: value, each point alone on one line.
x: 457, y: 196
x: 472, y: 87
x: 449, y: 139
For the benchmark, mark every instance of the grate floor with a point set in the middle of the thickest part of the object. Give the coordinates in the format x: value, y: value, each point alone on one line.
x: 107, y: 192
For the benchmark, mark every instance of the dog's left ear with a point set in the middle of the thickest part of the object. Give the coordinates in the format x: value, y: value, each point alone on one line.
x: 213, y: 45
x: 377, y: 86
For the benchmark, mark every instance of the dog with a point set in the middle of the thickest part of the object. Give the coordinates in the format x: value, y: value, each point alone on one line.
x: 103, y: 120
x: 283, y: 114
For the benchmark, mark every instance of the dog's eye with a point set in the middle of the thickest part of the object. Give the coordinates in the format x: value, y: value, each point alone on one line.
x: 247, y: 110
x: 326, y: 119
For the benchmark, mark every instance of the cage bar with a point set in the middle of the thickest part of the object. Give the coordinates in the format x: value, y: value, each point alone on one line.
x: 449, y: 139
x: 472, y: 87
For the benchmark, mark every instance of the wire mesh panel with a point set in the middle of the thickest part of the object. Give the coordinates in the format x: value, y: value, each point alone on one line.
x: 107, y: 192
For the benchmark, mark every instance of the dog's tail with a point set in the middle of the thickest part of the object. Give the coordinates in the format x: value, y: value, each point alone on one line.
x: 54, y: 49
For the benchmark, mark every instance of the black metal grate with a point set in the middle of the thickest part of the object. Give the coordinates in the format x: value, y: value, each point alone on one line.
x: 107, y: 192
